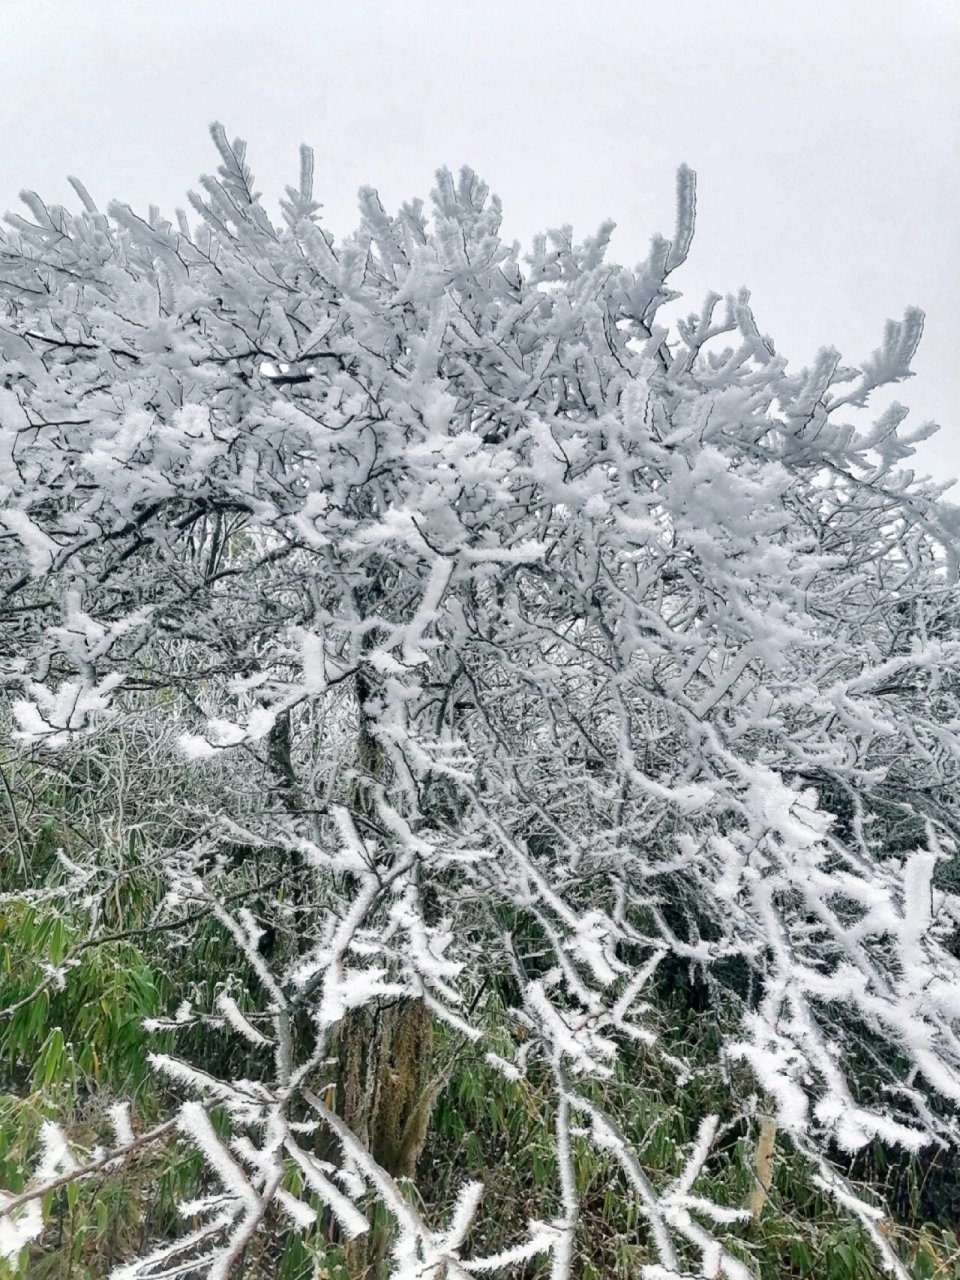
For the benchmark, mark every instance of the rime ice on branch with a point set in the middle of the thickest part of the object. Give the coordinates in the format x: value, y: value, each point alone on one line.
x: 526, y: 609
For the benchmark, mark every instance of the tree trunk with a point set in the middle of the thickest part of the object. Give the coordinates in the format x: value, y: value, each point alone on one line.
x: 383, y: 1079
x: 385, y: 1089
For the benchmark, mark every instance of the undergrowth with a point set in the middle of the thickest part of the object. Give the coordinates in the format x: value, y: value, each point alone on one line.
x: 71, y: 1046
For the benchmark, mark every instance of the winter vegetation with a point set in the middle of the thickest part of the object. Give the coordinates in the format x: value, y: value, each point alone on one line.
x: 480, y: 767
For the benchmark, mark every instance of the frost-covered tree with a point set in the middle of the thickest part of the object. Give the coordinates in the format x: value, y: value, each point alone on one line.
x: 537, y: 646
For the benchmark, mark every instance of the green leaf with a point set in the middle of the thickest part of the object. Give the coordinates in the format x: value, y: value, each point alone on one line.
x: 51, y: 1059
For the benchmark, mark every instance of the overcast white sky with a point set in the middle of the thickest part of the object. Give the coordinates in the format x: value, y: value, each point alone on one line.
x: 826, y: 136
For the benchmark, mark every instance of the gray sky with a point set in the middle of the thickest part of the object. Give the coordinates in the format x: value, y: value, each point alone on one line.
x: 825, y: 135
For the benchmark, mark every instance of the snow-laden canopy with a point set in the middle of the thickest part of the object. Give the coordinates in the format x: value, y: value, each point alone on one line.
x: 567, y: 644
